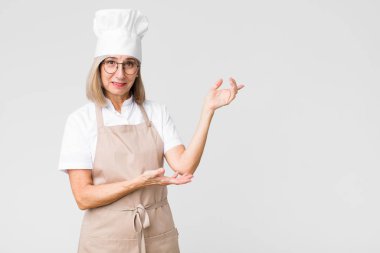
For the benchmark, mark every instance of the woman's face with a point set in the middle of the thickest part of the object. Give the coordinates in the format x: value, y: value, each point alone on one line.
x: 117, y: 79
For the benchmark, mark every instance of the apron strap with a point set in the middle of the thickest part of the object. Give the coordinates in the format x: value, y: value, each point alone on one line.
x: 146, y: 119
x: 99, y: 116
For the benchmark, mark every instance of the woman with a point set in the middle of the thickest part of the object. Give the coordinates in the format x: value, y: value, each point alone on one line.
x: 113, y: 147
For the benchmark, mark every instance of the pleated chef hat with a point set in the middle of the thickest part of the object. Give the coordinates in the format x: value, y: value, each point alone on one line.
x: 119, y: 32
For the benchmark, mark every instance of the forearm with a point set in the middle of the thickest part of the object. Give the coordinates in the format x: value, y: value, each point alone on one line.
x: 99, y: 195
x: 191, y: 157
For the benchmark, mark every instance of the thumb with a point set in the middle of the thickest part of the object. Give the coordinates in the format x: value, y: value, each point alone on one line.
x: 160, y: 172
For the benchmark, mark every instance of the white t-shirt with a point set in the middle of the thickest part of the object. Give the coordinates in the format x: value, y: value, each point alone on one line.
x: 80, y: 133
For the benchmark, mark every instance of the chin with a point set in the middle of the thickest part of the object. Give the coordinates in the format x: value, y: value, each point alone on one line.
x: 120, y: 93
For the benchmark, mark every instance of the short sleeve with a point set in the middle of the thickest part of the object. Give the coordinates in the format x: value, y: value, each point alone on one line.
x: 171, y: 137
x: 75, y: 148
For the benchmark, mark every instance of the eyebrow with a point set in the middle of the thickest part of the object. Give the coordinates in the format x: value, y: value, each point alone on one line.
x: 130, y: 58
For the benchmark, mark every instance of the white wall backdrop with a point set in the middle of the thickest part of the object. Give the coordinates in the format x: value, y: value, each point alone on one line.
x: 292, y: 165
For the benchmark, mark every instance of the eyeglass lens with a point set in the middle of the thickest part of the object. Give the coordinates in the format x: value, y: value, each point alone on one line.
x: 130, y: 66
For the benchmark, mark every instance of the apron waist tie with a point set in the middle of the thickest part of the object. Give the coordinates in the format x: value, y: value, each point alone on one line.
x: 141, y: 221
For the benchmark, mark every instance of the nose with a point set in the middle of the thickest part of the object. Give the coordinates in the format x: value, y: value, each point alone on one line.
x: 120, y: 72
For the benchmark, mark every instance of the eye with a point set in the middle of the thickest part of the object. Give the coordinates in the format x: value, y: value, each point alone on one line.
x: 110, y: 62
x: 130, y: 63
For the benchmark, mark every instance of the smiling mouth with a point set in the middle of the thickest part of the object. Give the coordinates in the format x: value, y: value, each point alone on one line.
x: 119, y: 85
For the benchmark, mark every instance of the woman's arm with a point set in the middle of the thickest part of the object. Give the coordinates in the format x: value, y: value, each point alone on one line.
x: 186, y: 161
x: 88, y: 195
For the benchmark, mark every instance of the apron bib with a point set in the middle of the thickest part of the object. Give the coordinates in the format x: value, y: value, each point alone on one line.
x: 140, y: 222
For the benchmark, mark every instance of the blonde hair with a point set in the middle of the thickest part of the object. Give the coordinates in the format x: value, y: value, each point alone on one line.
x: 95, y: 91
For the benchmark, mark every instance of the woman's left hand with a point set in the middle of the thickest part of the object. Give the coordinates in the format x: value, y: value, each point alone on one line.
x: 218, y: 98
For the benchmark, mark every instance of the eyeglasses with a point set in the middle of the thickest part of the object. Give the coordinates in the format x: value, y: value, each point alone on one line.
x: 130, y: 66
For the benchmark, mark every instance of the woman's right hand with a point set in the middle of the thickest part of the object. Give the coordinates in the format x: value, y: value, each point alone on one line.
x: 156, y: 177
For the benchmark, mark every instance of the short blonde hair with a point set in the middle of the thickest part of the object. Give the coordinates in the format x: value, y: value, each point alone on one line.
x: 95, y: 91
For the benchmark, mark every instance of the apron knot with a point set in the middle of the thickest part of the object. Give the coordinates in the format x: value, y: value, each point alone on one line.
x: 140, y: 221
x: 140, y: 218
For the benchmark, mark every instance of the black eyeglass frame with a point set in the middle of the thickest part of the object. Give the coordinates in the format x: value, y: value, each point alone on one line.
x: 122, y: 63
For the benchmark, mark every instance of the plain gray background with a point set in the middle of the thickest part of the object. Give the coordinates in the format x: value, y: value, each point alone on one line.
x: 292, y: 165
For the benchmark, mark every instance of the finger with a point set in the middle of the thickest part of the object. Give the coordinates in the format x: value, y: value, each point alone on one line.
x: 217, y: 84
x: 177, y: 181
x: 186, y: 178
x: 181, y: 181
x: 233, y: 85
x: 175, y: 174
x: 233, y: 93
x: 237, y: 86
x: 160, y: 172
x: 233, y: 80
x: 187, y: 175
x: 233, y: 89
x: 240, y: 86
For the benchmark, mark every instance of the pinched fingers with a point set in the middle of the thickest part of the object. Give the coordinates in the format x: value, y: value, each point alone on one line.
x: 238, y: 86
x: 234, y: 88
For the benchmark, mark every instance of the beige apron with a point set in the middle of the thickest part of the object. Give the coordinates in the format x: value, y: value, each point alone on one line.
x: 142, y: 220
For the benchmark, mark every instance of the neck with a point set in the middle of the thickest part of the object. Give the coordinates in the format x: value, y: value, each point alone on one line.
x: 117, y: 101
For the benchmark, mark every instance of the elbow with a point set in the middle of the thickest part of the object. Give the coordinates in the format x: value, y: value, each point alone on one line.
x: 82, y: 207
x: 185, y: 166
x: 187, y: 170
x: 82, y: 199
x: 82, y: 203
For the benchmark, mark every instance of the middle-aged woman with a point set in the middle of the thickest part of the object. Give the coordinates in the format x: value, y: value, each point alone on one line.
x: 113, y: 147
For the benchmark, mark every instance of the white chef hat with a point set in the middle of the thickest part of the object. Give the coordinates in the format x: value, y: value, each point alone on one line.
x: 119, y: 32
